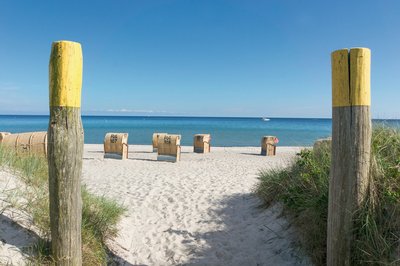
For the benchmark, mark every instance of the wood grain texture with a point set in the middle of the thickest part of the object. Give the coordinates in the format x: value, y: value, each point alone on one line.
x: 65, y: 152
x: 351, y: 147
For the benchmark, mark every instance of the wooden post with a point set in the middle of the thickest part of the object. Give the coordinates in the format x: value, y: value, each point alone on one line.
x: 65, y: 151
x: 351, y: 147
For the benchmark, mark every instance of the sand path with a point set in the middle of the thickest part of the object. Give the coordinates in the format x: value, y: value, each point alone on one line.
x: 199, y: 211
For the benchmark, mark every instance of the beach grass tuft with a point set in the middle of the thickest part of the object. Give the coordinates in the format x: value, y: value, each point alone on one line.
x: 303, y: 190
x: 100, y: 215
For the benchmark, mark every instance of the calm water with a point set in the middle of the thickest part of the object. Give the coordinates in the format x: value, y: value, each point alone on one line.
x: 224, y: 131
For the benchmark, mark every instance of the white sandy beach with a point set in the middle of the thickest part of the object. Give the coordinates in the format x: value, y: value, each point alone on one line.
x: 199, y: 211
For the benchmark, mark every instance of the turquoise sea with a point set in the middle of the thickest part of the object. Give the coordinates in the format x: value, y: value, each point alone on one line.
x: 224, y: 131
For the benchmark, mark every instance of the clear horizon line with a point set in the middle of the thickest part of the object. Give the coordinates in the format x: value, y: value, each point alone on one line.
x: 194, y: 116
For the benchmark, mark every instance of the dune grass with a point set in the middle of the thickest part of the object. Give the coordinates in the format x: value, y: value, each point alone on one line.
x: 99, y: 214
x: 303, y: 190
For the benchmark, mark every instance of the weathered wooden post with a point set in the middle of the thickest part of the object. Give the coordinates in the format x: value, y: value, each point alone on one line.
x: 351, y: 146
x: 65, y: 151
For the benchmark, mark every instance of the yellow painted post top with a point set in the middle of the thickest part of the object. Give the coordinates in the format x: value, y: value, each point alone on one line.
x: 351, y: 77
x: 65, y: 74
x: 360, y: 68
x: 340, y: 78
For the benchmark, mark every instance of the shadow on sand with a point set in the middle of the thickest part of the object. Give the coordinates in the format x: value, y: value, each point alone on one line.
x: 248, y: 235
x: 142, y: 159
x: 24, y: 240
x: 13, y: 234
x: 114, y: 260
x: 252, y: 154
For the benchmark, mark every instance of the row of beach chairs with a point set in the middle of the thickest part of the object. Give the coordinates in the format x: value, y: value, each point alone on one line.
x: 167, y: 146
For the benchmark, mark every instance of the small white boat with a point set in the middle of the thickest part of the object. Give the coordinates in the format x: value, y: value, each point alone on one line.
x: 265, y: 119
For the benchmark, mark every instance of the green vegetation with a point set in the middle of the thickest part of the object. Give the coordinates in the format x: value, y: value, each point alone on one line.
x: 303, y: 190
x: 99, y: 214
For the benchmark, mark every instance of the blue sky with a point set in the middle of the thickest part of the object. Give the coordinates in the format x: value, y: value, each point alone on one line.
x: 202, y: 58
